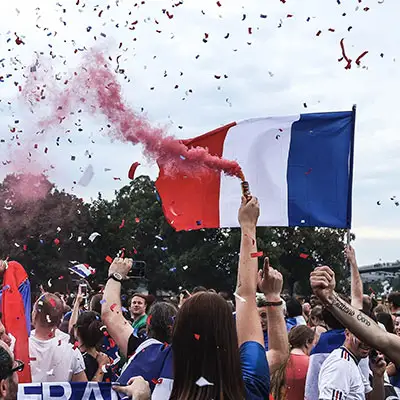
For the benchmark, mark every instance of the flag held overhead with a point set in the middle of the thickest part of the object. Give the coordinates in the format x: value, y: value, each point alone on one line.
x: 276, y: 155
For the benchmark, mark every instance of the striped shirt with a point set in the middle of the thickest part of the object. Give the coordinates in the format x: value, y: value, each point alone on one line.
x: 341, y: 378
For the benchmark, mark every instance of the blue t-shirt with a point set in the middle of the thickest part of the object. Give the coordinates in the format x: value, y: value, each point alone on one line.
x: 154, y: 361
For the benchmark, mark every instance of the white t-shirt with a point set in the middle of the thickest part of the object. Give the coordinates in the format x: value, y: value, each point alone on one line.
x: 341, y: 377
x: 54, y: 360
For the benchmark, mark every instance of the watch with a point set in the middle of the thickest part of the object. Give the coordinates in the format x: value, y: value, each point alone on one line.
x: 116, y: 276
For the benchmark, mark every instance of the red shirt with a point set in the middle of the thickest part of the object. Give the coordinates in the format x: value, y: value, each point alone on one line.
x: 296, y: 373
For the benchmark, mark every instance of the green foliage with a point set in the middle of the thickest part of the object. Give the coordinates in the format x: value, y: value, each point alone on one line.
x: 133, y: 223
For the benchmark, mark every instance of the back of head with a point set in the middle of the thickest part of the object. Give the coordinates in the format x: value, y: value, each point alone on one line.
x: 204, y: 344
x: 394, y: 299
x: 367, y: 304
x: 48, y: 311
x: 199, y: 289
x: 386, y: 320
x: 161, y: 320
x: 95, y: 304
x: 88, y: 329
x: 301, y: 336
x: 6, y: 361
x: 316, y: 316
x: 293, y: 308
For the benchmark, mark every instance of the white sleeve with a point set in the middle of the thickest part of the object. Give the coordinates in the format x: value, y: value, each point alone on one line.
x: 334, y: 379
x: 365, y: 372
x: 78, y: 364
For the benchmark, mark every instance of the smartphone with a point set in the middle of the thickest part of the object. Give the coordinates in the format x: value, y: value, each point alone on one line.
x: 373, y: 354
x: 83, y: 289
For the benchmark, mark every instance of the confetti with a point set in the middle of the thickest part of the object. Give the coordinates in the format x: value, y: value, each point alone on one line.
x: 93, y: 236
x: 308, y: 172
x: 318, y: 33
x: 132, y: 169
x: 87, y: 176
x: 112, y: 307
x: 109, y: 259
x: 122, y: 224
x: 185, y: 267
x: 256, y: 255
x: 157, y: 381
x: 358, y: 61
x: 203, y: 382
x: 304, y: 256
x: 348, y: 66
x: 219, y: 4
x: 137, y: 220
x: 103, y: 301
x: 196, y: 336
x: 56, y: 241
x: 239, y: 298
x: 52, y: 302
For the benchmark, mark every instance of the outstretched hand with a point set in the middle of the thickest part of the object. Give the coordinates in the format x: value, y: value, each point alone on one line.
x: 322, y: 281
x: 270, y: 282
x: 137, y: 389
x: 350, y: 255
x: 249, y: 212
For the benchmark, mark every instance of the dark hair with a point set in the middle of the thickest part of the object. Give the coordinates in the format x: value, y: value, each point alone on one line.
x: 6, y: 363
x: 49, y: 310
x: 367, y: 304
x: 199, y: 289
x: 161, y: 320
x: 330, y: 320
x: 88, y: 329
x: 293, y: 308
x: 394, y: 298
x: 205, y: 344
x: 300, y: 336
x: 1, y: 315
x: 387, y: 321
x: 316, y: 312
x: 95, y: 304
x: 225, y: 295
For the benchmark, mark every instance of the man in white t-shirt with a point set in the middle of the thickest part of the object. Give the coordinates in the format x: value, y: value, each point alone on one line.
x: 52, y: 357
x: 341, y: 377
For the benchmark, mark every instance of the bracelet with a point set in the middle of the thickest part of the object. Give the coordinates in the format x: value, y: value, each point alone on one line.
x: 273, y: 303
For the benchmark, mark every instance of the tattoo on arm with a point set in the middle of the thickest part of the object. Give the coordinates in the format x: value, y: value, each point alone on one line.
x: 344, y: 307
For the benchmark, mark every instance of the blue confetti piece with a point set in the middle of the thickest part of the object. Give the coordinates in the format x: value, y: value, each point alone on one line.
x: 263, y: 16
x: 182, y: 157
x: 103, y: 301
x: 172, y: 269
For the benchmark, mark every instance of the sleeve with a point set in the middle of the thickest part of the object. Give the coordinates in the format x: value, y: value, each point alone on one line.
x: 334, y: 380
x: 314, y: 367
x: 78, y: 364
x: 255, y: 370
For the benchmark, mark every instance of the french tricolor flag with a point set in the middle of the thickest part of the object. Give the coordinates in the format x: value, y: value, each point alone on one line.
x: 300, y: 167
x: 83, y: 270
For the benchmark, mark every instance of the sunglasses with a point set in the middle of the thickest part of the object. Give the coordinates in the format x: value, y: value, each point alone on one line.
x: 18, y: 368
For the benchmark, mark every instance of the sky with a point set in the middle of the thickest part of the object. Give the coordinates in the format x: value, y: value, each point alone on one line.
x: 280, y: 58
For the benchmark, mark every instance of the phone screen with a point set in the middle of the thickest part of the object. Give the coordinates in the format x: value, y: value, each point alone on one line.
x: 84, y: 290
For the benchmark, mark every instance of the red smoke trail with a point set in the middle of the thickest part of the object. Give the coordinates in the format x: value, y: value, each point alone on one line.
x: 96, y: 87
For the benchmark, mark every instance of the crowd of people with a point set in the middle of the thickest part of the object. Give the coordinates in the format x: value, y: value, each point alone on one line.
x: 258, y: 344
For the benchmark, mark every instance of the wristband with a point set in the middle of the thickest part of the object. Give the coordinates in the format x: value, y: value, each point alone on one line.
x: 273, y: 303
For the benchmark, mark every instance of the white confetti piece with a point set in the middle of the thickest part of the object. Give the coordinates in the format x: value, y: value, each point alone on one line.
x: 87, y: 176
x: 185, y: 267
x: 93, y: 236
x: 203, y: 382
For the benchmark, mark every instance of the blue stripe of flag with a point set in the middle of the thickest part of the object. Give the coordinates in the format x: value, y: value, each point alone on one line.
x: 319, y: 170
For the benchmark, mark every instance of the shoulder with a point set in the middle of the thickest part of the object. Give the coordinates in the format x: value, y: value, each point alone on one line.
x: 338, y: 361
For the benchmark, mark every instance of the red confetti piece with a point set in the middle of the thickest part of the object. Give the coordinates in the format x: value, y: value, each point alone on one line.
x: 219, y: 4
x: 59, y: 342
x: 116, y: 179
x: 56, y: 241
x: 308, y: 172
x: 46, y: 150
x: 197, y: 336
x: 137, y: 220
x: 135, y: 251
x: 52, y: 302
x: 112, y: 343
x: 77, y: 2
x: 76, y: 345
x: 32, y: 358
x: 35, y: 146
x: 157, y: 381
x: 109, y: 259
x: 148, y: 322
x: 289, y: 16
x: 18, y: 40
x: 318, y: 33
x: 358, y: 61
x: 122, y: 224
x: 25, y: 247
x: 60, y: 277
x: 303, y: 255
x: 101, y: 12
x: 112, y: 307
x: 331, y: 30
x: 132, y: 170
x: 256, y: 255
x: 250, y: 30
x: 366, y: 8
x: 348, y: 66
x: 170, y: 16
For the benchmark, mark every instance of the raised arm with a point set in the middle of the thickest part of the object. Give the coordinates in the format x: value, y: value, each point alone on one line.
x: 356, y: 281
x: 247, y: 319
x: 111, y: 314
x: 323, y: 283
x: 75, y: 310
x: 270, y: 282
